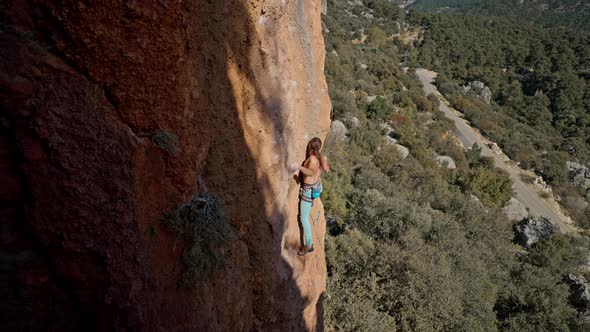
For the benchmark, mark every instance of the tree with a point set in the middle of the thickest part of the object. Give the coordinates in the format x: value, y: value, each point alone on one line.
x: 380, y: 108
x: 536, y: 112
x: 376, y: 36
x: 534, y: 300
x: 385, y: 9
x: 511, y: 95
x: 493, y: 187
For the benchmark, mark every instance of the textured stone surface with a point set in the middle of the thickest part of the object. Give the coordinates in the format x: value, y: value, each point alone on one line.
x: 579, y: 291
x: 354, y: 122
x: 386, y: 129
x: 515, y: 210
x: 390, y: 140
x: 84, y: 87
x: 480, y: 89
x: 446, y: 160
x: 339, y: 131
x: 532, y: 230
x: 579, y: 174
x: 403, y: 151
x: 475, y: 199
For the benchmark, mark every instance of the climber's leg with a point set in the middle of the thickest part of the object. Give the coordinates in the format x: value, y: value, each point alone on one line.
x: 304, y: 210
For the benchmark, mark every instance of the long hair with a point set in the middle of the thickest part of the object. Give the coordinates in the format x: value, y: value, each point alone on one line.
x: 315, y: 146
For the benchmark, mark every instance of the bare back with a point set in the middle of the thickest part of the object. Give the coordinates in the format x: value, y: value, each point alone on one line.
x: 314, y: 165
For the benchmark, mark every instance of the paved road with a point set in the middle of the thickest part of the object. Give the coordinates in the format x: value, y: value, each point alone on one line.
x: 466, y: 134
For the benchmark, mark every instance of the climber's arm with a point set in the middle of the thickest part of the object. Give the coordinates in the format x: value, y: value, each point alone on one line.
x: 309, y: 166
x: 325, y: 164
x: 306, y: 171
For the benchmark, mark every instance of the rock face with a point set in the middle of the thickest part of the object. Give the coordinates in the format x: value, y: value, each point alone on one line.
x: 324, y: 8
x: 480, y: 89
x: 579, y: 175
x: 532, y: 230
x: 580, y: 291
x: 515, y: 210
x: 113, y: 114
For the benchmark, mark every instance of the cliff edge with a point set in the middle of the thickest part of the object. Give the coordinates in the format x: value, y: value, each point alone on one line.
x: 113, y: 115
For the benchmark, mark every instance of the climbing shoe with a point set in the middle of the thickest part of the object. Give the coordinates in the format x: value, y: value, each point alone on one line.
x: 305, y: 250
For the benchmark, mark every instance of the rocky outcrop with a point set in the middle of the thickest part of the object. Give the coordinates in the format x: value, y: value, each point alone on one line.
x: 446, y: 161
x: 579, y: 175
x: 388, y: 133
x: 386, y: 129
x: 480, y: 89
x: 477, y: 202
x: 404, y: 152
x: 113, y: 114
x: 579, y: 291
x: 515, y: 210
x: 390, y: 140
x: 339, y: 131
x: 406, y: 3
x: 353, y: 121
x: 532, y: 230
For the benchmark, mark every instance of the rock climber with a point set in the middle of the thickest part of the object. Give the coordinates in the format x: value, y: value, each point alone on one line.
x: 311, y: 187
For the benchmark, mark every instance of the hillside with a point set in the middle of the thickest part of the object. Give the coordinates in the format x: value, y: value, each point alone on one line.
x: 538, y: 92
x: 419, y: 238
x: 571, y: 13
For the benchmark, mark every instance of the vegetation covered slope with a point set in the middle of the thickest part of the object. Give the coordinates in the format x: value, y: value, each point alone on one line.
x: 540, y: 84
x: 411, y: 248
x: 571, y: 13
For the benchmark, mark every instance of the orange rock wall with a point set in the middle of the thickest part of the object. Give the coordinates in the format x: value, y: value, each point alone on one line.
x: 84, y: 86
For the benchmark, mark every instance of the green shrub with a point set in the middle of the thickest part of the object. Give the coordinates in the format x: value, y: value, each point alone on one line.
x: 342, y: 102
x: 544, y: 195
x: 584, y: 221
x: 365, y: 138
x: 423, y: 104
x: 434, y: 101
x: 337, y: 183
x: 202, y: 224
x: 493, y: 187
x: 534, y: 300
x: 352, y: 301
x: 380, y: 108
x: 557, y: 253
x: 376, y: 36
x: 553, y: 167
x: 387, y: 158
x: 527, y: 178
